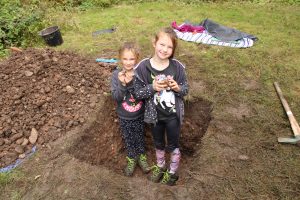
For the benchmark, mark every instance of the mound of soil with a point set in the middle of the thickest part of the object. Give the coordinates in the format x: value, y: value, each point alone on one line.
x: 44, y: 94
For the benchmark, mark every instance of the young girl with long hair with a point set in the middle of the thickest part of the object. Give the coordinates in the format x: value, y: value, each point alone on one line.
x: 161, y: 82
x: 130, y: 110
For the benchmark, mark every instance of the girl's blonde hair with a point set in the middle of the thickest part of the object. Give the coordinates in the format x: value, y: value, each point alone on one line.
x: 171, y: 33
x: 131, y: 46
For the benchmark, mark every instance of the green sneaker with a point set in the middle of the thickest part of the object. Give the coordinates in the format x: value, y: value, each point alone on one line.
x: 142, y: 161
x: 129, y: 169
x: 169, y: 179
x: 157, y: 173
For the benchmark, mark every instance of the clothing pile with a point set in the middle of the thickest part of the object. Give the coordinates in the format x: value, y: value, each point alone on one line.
x: 210, y: 32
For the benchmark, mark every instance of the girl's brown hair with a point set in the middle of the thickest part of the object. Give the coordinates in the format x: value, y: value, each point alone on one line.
x: 171, y: 33
x: 131, y: 46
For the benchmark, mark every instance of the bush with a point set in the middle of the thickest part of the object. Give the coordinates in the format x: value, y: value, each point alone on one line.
x: 19, y: 23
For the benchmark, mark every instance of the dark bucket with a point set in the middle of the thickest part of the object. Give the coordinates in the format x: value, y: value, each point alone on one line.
x: 52, y: 36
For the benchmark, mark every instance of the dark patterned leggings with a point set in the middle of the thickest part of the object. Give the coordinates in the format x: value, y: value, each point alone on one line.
x: 133, y: 133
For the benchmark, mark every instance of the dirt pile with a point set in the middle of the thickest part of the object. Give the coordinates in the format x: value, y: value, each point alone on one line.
x: 45, y: 93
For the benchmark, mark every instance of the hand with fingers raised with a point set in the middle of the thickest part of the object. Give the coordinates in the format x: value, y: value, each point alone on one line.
x: 125, y: 77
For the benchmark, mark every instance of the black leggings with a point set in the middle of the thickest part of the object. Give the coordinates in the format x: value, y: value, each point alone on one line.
x: 172, y: 128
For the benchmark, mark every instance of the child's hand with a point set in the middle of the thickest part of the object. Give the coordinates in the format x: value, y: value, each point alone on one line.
x: 125, y: 77
x: 121, y: 76
x: 173, y: 84
x: 159, y: 85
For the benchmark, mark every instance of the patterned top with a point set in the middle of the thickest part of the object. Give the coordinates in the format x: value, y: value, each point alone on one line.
x: 143, y: 89
x: 127, y: 106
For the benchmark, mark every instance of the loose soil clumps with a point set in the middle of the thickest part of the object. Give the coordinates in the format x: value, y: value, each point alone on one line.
x: 44, y: 94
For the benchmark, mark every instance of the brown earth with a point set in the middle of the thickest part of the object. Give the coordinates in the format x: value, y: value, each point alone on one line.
x: 62, y: 99
x: 44, y: 94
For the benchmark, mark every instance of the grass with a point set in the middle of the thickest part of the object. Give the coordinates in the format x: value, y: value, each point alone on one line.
x: 273, y: 171
x: 10, y: 178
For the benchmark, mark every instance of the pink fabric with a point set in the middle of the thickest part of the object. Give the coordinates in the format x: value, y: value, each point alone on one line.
x: 160, y: 157
x: 175, y: 159
x: 187, y: 28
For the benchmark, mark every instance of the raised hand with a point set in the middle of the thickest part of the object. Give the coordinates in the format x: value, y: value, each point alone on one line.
x: 125, y: 77
x: 173, y: 84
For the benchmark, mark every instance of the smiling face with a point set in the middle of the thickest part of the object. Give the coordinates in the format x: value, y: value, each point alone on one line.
x: 163, y: 46
x: 128, y: 59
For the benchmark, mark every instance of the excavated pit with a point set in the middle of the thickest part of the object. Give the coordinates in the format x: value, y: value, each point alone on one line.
x: 101, y: 143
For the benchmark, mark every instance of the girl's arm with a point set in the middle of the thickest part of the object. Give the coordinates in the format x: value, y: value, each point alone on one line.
x: 184, y: 89
x: 142, y: 90
x: 118, y: 91
x: 182, y: 83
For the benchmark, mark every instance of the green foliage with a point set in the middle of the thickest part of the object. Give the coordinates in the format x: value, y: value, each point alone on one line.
x: 6, y: 178
x: 9, y: 178
x: 19, y: 23
x: 241, y: 1
x: 21, y: 20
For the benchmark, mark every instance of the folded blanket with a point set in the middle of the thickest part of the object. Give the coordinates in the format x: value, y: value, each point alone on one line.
x: 207, y: 38
x: 224, y: 33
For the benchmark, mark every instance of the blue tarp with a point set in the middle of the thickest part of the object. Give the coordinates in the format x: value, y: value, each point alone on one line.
x: 18, y: 162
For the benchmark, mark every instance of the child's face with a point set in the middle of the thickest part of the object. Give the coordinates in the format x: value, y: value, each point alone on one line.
x: 163, y: 47
x: 128, y: 59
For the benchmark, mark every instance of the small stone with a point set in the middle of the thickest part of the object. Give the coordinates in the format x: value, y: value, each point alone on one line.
x: 48, y: 146
x: 7, y: 141
x: 70, y: 123
x: 70, y: 90
x: 22, y: 156
x: 75, y: 123
x: 41, y: 140
x: 9, y: 158
x: 28, y: 73
x: 20, y: 141
x: 92, y: 105
x: 25, y: 142
x: 17, y: 102
x: 19, y: 149
x: 16, y: 136
x: 57, y: 124
x: 33, y: 136
x: 47, y: 89
x: 81, y: 120
x: 243, y: 157
x: 36, y: 177
x: 3, y: 153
